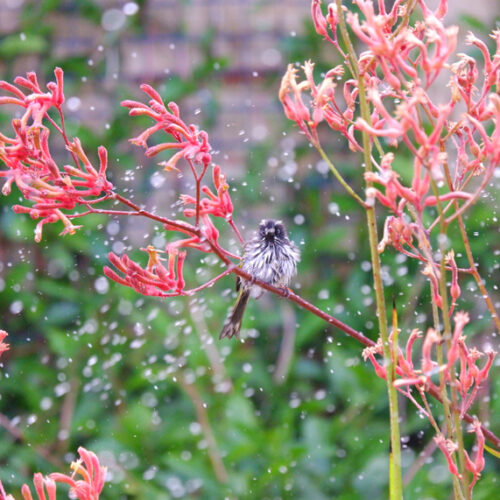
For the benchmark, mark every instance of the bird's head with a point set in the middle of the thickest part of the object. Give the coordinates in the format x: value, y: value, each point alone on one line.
x: 270, y: 230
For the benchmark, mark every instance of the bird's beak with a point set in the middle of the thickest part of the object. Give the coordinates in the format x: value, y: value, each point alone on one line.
x: 270, y: 231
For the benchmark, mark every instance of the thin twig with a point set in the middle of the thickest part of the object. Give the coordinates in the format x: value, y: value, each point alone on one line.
x: 419, y: 462
x: 203, y: 420
x: 339, y: 177
x: 17, y: 434
x: 220, y: 378
x: 66, y: 418
x: 287, y: 344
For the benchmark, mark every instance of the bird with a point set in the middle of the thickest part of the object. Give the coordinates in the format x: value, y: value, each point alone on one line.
x: 269, y: 256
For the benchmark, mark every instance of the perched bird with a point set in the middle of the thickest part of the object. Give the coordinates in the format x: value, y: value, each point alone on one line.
x: 271, y: 257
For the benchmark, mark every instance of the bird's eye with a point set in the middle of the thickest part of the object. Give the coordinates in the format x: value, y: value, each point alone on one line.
x: 278, y: 231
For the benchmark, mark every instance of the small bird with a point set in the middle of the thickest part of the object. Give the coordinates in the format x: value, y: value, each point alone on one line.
x: 271, y: 257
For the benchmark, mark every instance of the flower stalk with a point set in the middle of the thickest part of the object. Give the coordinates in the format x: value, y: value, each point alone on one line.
x: 395, y: 474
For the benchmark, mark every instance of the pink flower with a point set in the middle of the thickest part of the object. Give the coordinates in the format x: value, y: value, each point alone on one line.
x: 218, y: 205
x: 93, y: 476
x: 88, y: 488
x: 369, y: 353
x: 432, y: 337
x: 454, y: 288
x: 3, y: 346
x: 429, y: 39
x: 192, y: 143
x: 27, y: 156
x: 324, y: 24
x: 156, y: 280
x: 42, y: 485
x: 477, y: 465
x: 461, y: 318
x: 397, y: 233
x: 448, y: 447
x: 321, y: 103
x: 3, y: 495
x: 290, y: 95
x: 405, y: 363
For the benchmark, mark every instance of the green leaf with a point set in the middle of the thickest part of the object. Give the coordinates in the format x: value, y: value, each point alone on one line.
x: 19, y: 44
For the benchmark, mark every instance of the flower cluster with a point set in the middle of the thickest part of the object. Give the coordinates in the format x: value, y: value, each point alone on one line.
x: 155, y: 279
x: 193, y: 147
x: 88, y: 466
x: 88, y: 488
x: 192, y: 143
x: 396, y: 70
x: 387, y: 102
x: 56, y: 193
x: 50, y: 189
x: 451, y: 142
x: 459, y: 369
x: 323, y: 106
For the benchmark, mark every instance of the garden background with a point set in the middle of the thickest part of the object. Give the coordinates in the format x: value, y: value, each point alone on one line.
x: 291, y: 412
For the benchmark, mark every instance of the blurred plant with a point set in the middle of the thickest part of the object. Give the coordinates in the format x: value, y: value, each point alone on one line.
x: 385, y: 104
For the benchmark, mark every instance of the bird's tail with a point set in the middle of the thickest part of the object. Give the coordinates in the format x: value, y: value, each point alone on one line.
x: 233, y: 323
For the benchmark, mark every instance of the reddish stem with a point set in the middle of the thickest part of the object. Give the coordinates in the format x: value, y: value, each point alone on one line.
x: 229, y: 270
x: 236, y: 230
x: 62, y: 131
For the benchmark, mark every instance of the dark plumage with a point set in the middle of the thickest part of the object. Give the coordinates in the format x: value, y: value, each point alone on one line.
x: 271, y: 257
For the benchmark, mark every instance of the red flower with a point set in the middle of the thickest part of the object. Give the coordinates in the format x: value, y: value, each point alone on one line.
x: 322, y: 103
x: 3, y: 346
x: 3, y: 495
x: 323, y: 24
x: 42, y: 485
x: 448, y: 447
x: 156, y: 280
x: 192, y: 143
x: 290, y: 95
x: 88, y: 488
x: 218, y: 205
x: 369, y: 353
x: 193, y: 146
x: 93, y: 474
x: 29, y: 161
x: 477, y: 465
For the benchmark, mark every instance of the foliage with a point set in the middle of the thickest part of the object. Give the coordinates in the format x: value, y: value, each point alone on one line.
x: 95, y: 364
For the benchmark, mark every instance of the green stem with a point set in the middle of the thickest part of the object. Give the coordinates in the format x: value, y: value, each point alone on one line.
x: 468, y: 251
x: 339, y: 177
x: 447, y: 337
x: 457, y: 490
x: 395, y: 477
